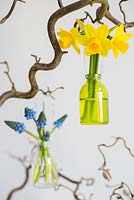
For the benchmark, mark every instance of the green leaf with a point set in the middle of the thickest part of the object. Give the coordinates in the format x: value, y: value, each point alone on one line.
x: 47, y: 164
x: 37, y: 167
x: 54, y: 174
x: 11, y: 124
x: 42, y: 116
x: 36, y: 174
x: 47, y: 171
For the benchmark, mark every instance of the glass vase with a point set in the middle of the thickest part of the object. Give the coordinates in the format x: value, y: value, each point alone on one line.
x: 93, y: 101
x: 45, y: 173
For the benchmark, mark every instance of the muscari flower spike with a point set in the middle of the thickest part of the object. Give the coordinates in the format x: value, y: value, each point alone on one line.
x: 17, y: 126
x: 58, y: 123
x: 46, y: 136
x: 29, y: 113
x: 41, y: 121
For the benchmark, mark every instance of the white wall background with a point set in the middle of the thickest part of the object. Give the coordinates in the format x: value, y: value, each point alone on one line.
x: 74, y: 146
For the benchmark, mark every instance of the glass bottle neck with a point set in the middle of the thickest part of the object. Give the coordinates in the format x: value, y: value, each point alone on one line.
x: 93, y: 76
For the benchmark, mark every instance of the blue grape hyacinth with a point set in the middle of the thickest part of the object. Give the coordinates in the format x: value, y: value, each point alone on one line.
x: 58, y: 123
x: 41, y: 121
x: 46, y: 136
x: 20, y: 127
x: 17, y: 126
x: 29, y: 113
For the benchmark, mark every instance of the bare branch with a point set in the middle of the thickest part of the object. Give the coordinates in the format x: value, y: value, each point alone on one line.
x: 57, y: 50
x: 102, y: 11
x: 49, y: 92
x: 37, y: 60
x: 24, y: 160
x: 89, y: 182
x: 17, y: 189
x: 122, y: 11
x: 118, y: 196
x: 60, y: 3
x: 85, y: 18
x: 8, y: 74
x: 103, y: 168
x: 114, y: 20
x: 3, y: 20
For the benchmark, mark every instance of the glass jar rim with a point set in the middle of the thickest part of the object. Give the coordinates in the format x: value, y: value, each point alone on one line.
x: 93, y: 76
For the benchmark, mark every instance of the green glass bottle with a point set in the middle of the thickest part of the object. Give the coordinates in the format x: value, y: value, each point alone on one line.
x: 93, y: 101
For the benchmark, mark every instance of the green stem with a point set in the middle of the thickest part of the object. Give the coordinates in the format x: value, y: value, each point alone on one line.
x: 93, y: 65
x: 93, y: 69
x: 32, y: 135
x: 96, y: 63
x: 53, y: 129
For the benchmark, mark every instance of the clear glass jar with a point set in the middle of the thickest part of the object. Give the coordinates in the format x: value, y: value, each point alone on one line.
x: 93, y: 101
x: 45, y: 172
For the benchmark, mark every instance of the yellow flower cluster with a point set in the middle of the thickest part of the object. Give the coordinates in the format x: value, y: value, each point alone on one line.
x: 95, y: 40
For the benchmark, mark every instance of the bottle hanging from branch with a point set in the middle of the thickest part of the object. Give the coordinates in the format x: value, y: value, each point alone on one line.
x: 93, y: 97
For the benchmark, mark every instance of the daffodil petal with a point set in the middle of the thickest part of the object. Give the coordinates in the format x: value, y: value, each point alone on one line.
x: 90, y: 31
x: 90, y: 50
x: 120, y: 45
x: 115, y: 51
x: 74, y: 33
x: 75, y: 46
x: 123, y: 46
x: 126, y: 36
x: 63, y: 33
x: 65, y: 43
x: 106, y: 46
x: 81, y: 24
x: 87, y: 51
x: 83, y: 40
x: 120, y: 30
x: 102, y: 31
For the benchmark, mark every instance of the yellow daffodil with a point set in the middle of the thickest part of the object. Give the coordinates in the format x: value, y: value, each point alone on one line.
x: 68, y: 39
x: 81, y: 24
x: 95, y: 40
x: 118, y: 42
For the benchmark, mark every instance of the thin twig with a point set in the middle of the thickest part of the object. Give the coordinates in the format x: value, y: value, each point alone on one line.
x: 26, y: 178
x: 8, y: 74
x: 60, y: 3
x: 85, y: 18
x: 118, y: 196
x: 122, y: 11
x: 102, y: 11
x: 3, y: 20
x: 58, y: 53
x: 50, y: 92
x: 104, y: 168
x: 37, y: 59
x: 89, y: 182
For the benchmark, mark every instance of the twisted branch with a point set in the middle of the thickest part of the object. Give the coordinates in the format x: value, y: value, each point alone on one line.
x: 58, y: 53
x: 3, y: 20
x: 122, y: 11
x: 103, y: 168
x: 8, y: 74
x: 24, y: 160
x: 111, y: 18
x: 49, y: 92
x: 118, y: 196
x: 102, y: 11
x: 26, y: 178
x: 89, y: 182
